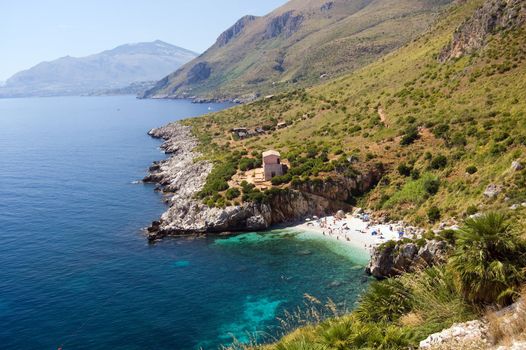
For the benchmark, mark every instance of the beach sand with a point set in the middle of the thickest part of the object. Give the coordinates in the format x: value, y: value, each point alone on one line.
x: 352, y: 230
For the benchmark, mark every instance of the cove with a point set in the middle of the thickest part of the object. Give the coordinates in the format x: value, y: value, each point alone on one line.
x: 75, y: 268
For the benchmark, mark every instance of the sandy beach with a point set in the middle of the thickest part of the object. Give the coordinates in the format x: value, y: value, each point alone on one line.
x: 355, y: 230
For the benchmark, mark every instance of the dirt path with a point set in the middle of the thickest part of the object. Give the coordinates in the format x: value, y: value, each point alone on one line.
x: 383, y: 116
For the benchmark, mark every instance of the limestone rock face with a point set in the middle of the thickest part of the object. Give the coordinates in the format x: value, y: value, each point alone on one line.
x: 405, y: 257
x: 234, y: 31
x: 201, y: 71
x: 287, y: 24
x: 458, y: 334
x: 494, y: 15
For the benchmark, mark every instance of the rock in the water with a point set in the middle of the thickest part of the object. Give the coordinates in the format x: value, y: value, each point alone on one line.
x: 492, y: 191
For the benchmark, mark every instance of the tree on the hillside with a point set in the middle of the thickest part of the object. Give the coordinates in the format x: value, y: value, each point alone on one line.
x: 489, y: 260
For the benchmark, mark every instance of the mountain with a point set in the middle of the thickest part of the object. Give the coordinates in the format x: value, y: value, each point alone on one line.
x: 111, y: 69
x: 299, y: 44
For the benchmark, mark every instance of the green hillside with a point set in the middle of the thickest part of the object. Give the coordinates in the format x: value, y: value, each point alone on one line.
x: 461, y: 122
x: 300, y: 44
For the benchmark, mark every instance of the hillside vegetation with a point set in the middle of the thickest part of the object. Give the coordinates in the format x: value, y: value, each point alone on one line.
x: 444, y: 130
x: 299, y: 44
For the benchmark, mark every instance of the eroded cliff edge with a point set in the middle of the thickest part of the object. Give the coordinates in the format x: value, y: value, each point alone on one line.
x: 183, y: 175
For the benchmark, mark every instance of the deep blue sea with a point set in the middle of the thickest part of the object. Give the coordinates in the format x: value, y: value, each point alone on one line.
x: 75, y: 268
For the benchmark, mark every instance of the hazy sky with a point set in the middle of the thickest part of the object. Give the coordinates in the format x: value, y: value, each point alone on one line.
x: 32, y: 31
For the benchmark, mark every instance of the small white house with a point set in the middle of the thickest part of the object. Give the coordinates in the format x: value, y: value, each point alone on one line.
x: 272, y: 165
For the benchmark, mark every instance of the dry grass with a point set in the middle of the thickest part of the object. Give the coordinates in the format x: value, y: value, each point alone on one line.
x: 412, y: 319
x: 508, y: 325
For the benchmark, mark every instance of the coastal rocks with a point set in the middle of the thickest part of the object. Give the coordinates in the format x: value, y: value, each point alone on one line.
x: 460, y: 333
x: 181, y: 178
x: 492, y: 191
x: 396, y: 258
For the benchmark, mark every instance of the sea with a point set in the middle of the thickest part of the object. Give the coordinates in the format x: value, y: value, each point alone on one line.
x: 76, y: 271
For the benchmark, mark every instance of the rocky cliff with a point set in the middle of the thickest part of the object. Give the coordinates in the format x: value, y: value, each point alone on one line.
x: 393, y: 259
x: 180, y: 178
x: 492, y: 16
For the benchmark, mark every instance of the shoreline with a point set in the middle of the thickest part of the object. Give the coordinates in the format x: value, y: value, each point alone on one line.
x: 354, y: 230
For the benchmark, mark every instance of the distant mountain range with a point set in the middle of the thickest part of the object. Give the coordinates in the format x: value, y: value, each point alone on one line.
x: 115, y: 69
x: 299, y: 44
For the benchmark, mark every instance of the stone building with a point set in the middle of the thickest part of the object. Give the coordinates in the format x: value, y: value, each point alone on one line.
x: 272, y: 165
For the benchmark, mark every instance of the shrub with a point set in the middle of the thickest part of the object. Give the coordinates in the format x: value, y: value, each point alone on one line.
x: 232, y: 193
x: 283, y: 179
x: 404, y: 170
x: 489, y: 260
x: 415, y: 174
x: 433, y: 214
x: 431, y: 186
x: 218, y: 177
x: 471, y: 210
x: 429, y: 235
x: 440, y: 131
x: 471, y: 169
x: 248, y: 163
x: 410, y: 136
x: 449, y: 236
x: 438, y: 162
x: 384, y: 301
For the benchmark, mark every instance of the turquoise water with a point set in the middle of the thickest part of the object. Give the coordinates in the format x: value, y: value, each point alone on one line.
x: 75, y: 269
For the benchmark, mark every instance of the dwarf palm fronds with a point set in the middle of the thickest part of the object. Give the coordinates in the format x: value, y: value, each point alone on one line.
x: 489, y: 259
x: 384, y: 301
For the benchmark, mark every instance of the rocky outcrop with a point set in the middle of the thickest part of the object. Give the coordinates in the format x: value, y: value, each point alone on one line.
x: 286, y: 24
x: 234, y: 31
x: 516, y: 166
x: 493, y: 16
x: 395, y: 258
x: 180, y: 178
x: 459, y: 334
x: 343, y: 188
x: 199, y: 72
x: 492, y: 191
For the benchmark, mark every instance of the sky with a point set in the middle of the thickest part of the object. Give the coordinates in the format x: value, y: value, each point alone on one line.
x: 32, y: 31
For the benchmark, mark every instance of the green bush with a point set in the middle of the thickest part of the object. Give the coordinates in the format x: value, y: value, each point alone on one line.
x: 489, y: 260
x: 471, y: 169
x: 404, y: 170
x: 232, y: 193
x: 431, y: 185
x: 471, y: 210
x: 410, y: 136
x: 449, y: 236
x: 438, y: 162
x: 433, y: 214
x: 280, y: 180
x: 218, y: 177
